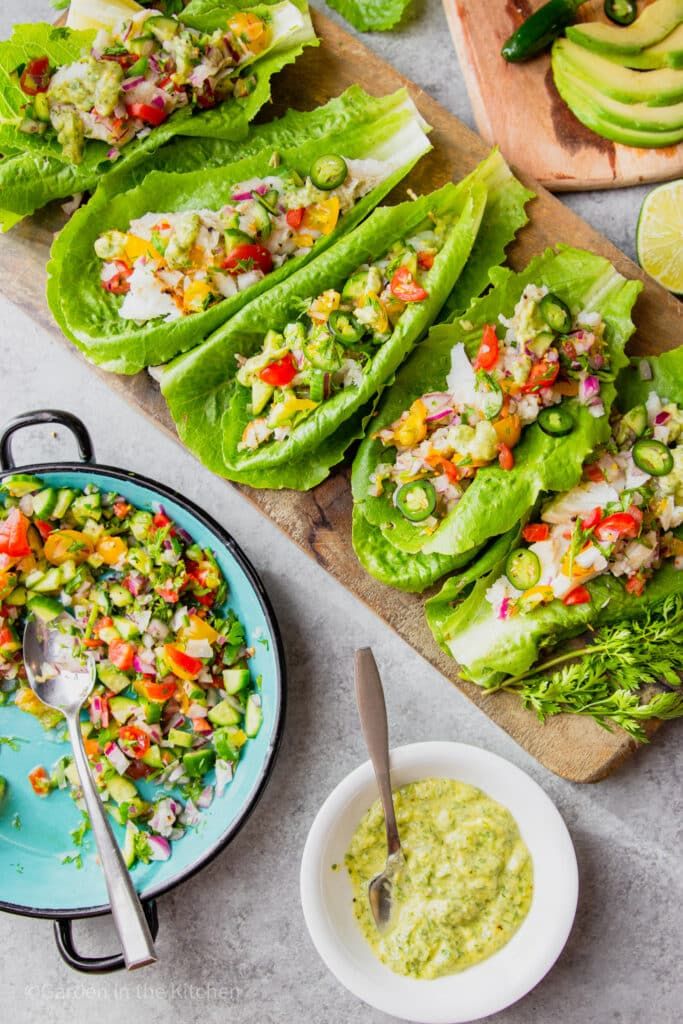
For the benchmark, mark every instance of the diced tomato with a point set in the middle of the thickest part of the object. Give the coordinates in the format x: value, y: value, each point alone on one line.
x: 40, y: 781
x: 105, y: 622
x: 489, y: 349
x: 147, y: 113
x: 280, y: 373
x: 161, y: 520
x: 621, y: 524
x: 121, y: 509
x: 133, y: 740
x: 201, y: 725
x: 92, y: 642
x: 594, y: 473
x: 7, y: 637
x: 247, y: 256
x: 121, y: 654
x: 205, y: 599
x: 635, y: 585
x: 506, y: 459
x: 44, y: 528
x: 92, y: 748
x: 169, y: 594
x: 14, y: 535
x: 182, y: 664
x: 35, y: 77
x: 579, y: 595
x: 535, y: 532
x: 294, y: 217
x: 160, y: 691
x: 543, y: 374
x: 118, y: 284
x: 590, y: 521
x: 404, y: 286
x: 425, y: 260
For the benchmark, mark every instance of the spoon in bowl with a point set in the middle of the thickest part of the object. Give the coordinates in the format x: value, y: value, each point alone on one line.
x: 63, y: 683
x: 373, y: 721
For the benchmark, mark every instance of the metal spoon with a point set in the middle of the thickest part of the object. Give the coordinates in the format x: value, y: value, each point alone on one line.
x: 67, y: 691
x: 373, y: 720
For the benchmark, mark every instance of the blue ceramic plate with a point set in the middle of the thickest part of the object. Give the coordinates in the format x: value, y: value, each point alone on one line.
x: 34, y: 833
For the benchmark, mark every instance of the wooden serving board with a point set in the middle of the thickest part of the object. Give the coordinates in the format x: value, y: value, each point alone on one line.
x: 320, y: 521
x: 518, y: 106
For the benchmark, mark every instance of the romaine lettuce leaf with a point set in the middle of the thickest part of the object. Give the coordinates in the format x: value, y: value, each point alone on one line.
x: 88, y: 315
x: 33, y: 170
x: 663, y: 374
x: 497, y: 498
x: 209, y: 412
x: 371, y: 15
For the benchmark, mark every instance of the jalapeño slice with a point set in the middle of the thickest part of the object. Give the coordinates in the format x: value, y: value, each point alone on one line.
x: 523, y: 568
x: 653, y: 457
x: 329, y: 171
x: 556, y: 313
x: 556, y: 420
x: 345, y: 327
x: 416, y: 500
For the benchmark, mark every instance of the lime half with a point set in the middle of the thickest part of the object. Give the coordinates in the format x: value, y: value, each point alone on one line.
x: 659, y: 235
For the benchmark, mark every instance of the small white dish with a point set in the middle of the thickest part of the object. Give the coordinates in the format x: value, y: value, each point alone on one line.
x: 489, y: 986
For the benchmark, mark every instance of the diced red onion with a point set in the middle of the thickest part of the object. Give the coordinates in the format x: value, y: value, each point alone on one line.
x: 240, y: 197
x: 504, y: 606
x: 589, y: 389
x: 131, y: 83
x: 261, y: 189
x: 158, y: 102
x: 224, y: 774
x: 116, y: 757
x: 662, y: 417
x: 113, y: 153
x: 159, y: 847
x: 190, y: 815
x: 205, y: 798
x: 439, y: 415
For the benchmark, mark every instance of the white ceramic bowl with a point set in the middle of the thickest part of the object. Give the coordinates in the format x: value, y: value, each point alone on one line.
x: 489, y: 986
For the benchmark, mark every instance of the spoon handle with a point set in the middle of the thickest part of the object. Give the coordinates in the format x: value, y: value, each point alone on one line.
x: 373, y: 721
x: 129, y: 918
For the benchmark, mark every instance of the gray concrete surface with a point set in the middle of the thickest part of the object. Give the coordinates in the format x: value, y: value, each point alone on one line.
x: 233, y: 943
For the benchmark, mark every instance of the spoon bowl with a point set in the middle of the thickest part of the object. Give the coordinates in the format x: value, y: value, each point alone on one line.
x: 44, y: 648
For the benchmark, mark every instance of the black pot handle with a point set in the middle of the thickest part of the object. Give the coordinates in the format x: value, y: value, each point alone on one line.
x: 30, y: 419
x: 97, y: 964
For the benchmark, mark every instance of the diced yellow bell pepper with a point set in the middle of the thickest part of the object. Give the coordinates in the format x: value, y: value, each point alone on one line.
x: 251, y: 29
x: 414, y: 427
x: 303, y: 241
x: 320, y: 308
x: 137, y: 247
x: 322, y: 216
x: 199, y: 629
x: 537, y: 595
x: 195, y: 295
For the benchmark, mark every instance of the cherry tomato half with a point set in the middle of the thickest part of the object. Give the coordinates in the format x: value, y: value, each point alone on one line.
x: 579, y: 595
x: 621, y: 524
x: 121, y: 654
x: 14, y: 535
x: 590, y: 521
x: 506, y: 459
x: 487, y: 356
x: 147, y: 113
x: 35, y: 77
x: 405, y: 287
x: 294, y: 217
x: 543, y: 375
x: 280, y: 373
x: 248, y: 256
x: 133, y: 740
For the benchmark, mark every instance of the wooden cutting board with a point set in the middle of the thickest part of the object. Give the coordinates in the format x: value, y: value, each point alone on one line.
x: 320, y: 521
x: 518, y: 106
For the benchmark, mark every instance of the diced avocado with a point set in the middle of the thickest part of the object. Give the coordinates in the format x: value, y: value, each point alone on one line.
x: 361, y: 283
x: 659, y: 89
x: 179, y: 738
x: 163, y: 28
x: 224, y: 714
x: 41, y: 107
x: 127, y: 629
x: 236, y: 679
x: 632, y: 424
x: 120, y: 789
x: 20, y: 484
x: 153, y: 709
x: 44, y: 503
x: 87, y: 506
x: 253, y: 716
x: 45, y: 608
x: 152, y: 757
x: 261, y: 394
x: 122, y: 708
x: 49, y: 583
x: 64, y: 498
x: 198, y: 762
x: 119, y: 596
x: 110, y: 677
x: 11, y: 643
x: 654, y: 24
x: 223, y: 745
x: 140, y: 524
x: 17, y: 597
x: 129, y: 844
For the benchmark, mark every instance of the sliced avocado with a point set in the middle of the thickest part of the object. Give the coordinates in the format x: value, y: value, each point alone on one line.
x: 655, y: 23
x: 224, y: 714
x: 110, y: 677
x: 45, y: 608
x: 198, y: 762
x: 668, y: 53
x: 587, y: 110
x: 179, y: 738
x: 236, y: 679
x: 659, y: 89
x: 261, y: 394
x: 120, y: 789
x: 634, y: 116
x: 122, y: 708
x: 19, y: 484
x: 253, y: 717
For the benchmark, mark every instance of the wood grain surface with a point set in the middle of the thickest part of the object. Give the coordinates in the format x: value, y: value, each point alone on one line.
x: 518, y: 106
x: 320, y: 521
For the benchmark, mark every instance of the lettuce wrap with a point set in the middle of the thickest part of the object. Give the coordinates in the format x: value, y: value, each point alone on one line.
x: 379, y: 146
x: 623, y: 558
x: 491, y: 499
x: 212, y: 411
x: 36, y: 168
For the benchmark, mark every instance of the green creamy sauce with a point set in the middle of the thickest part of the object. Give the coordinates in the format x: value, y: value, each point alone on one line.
x: 466, y: 885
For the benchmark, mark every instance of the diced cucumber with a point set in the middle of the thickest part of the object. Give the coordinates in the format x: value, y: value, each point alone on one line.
x: 236, y: 679
x: 122, y: 790
x: 33, y: 577
x: 45, y: 608
x: 68, y: 570
x: 224, y: 714
x: 108, y: 634
x: 126, y: 627
x: 44, y: 502
x: 64, y: 498
x: 163, y: 28
x: 152, y: 757
x: 129, y: 844
x: 197, y: 762
x: 119, y: 595
x: 93, y: 529
x: 140, y: 524
x: 122, y: 708
x: 223, y: 745
x: 142, y: 45
x: 110, y: 677
x: 179, y: 738
x: 20, y: 484
x: 260, y: 395
x: 253, y: 716
x: 153, y: 709
x: 49, y: 583
x: 87, y: 506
